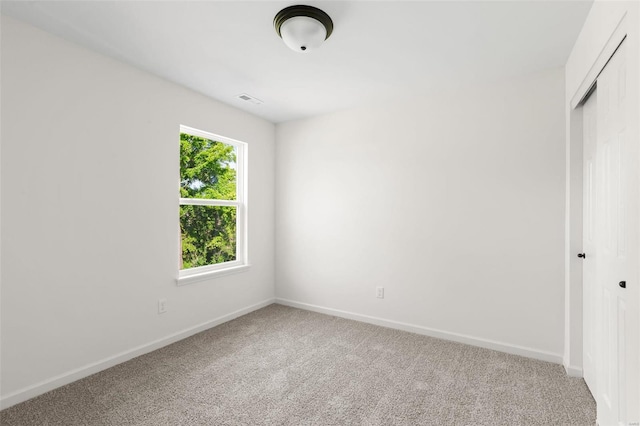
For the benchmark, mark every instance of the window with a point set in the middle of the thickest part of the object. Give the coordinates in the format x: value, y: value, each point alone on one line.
x: 212, y: 205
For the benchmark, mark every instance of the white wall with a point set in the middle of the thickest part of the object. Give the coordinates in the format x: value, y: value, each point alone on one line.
x: 454, y: 204
x: 89, y: 212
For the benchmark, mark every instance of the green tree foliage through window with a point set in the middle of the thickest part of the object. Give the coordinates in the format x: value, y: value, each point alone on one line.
x: 207, y: 171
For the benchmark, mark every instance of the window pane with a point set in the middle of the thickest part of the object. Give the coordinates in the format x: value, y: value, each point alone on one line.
x: 208, y: 235
x: 207, y: 168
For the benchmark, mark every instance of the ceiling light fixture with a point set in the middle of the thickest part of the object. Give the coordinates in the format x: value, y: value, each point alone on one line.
x: 303, y: 28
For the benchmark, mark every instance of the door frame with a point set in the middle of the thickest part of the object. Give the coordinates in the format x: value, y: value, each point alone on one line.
x: 628, y: 26
x: 572, y: 357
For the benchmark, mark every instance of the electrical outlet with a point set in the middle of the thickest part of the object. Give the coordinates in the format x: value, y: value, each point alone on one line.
x: 380, y: 292
x: 162, y: 306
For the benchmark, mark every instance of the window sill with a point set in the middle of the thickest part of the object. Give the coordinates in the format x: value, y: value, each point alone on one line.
x: 190, y: 279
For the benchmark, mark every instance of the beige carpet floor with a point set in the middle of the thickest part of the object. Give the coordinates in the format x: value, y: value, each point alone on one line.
x: 285, y: 366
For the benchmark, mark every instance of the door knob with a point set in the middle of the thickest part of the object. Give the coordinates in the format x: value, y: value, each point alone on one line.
x: 582, y: 255
x: 623, y: 284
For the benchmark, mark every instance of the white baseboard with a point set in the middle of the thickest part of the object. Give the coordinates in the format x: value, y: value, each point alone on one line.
x: 79, y: 373
x: 456, y: 337
x: 573, y: 371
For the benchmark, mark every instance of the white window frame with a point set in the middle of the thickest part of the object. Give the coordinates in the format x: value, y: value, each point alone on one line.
x: 200, y: 273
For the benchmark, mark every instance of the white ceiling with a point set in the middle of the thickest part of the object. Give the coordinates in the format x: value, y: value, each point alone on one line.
x: 378, y: 50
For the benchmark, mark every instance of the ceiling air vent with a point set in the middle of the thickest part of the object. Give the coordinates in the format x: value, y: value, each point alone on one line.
x: 249, y: 98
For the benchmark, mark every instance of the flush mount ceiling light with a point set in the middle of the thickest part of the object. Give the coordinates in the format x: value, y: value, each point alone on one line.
x: 303, y: 28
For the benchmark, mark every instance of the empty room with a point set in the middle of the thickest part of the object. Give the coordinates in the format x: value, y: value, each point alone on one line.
x: 320, y: 213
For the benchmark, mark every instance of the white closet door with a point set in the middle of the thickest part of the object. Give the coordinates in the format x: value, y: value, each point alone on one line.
x: 589, y: 297
x: 616, y: 240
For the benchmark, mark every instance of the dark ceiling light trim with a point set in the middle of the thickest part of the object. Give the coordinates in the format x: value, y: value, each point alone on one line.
x: 301, y: 10
x: 303, y: 28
